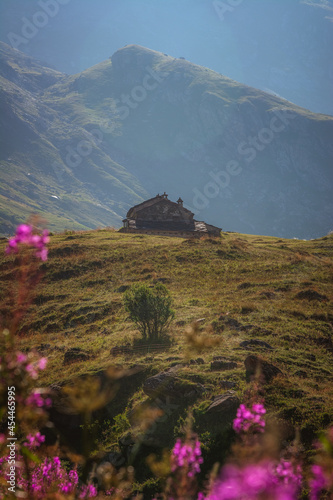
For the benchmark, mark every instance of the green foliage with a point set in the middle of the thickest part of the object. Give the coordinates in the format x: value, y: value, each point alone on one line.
x: 150, y: 309
x: 121, y: 424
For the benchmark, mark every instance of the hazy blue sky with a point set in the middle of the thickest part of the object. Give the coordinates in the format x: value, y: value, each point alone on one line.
x: 280, y: 45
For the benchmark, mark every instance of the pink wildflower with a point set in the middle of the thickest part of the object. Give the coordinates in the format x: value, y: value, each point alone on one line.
x: 88, y: 491
x: 34, y: 441
x: 20, y: 357
x: 31, y: 369
x: 251, y: 483
x: 42, y: 363
x: 249, y: 420
x: 35, y: 399
x: 288, y: 474
x: 186, y: 455
x: 318, y: 482
x: 25, y: 236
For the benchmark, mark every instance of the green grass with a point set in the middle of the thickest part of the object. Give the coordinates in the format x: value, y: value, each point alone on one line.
x: 254, y: 280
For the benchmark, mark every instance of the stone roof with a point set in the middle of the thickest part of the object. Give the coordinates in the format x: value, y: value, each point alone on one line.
x: 152, y: 201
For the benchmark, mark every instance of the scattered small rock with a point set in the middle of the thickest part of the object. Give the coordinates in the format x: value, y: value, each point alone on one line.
x: 247, y: 309
x: 233, y: 323
x: 75, y: 354
x: 167, y: 386
x: 311, y: 295
x: 247, y: 344
x: 225, y: 405
x: 197, y: 361
x: 162, y: 280
x: 255, y: 365
x: 122, y: 288
x: 223, y: 365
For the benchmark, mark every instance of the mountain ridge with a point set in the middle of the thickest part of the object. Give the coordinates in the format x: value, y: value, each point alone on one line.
x: 98, y: 148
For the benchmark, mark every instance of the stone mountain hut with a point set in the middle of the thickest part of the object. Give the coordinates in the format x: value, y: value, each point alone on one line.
x: 164, y: 217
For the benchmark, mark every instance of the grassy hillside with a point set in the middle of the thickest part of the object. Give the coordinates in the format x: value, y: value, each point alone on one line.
x: 240, y: 287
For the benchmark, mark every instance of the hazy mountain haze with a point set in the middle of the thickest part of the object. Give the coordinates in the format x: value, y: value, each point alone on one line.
x: 282, y: 46
x: 107, y: 102
x: 84, y: 148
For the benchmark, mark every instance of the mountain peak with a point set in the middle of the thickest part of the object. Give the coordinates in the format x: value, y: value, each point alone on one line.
x: 134, y: 56
x: 93, y: 144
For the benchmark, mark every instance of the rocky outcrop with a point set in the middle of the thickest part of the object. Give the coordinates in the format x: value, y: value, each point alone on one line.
x: 220, y: 413
x: 75, y: 354
x: 168, y: 387
x: 224, y: 406
x: 258, y: 367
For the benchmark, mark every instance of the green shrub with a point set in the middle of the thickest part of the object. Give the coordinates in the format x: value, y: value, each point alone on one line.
x: 150, y: 309
x: 121, y: 424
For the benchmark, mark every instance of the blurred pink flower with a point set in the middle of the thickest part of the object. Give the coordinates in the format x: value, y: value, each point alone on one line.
x: 31, y: 369
x: 251, y: 483
x: 88, y: 491
x: 34, y: 441
x: 36, y: 400
x: 249, y: 420
x: 25, y: 236
x: 186, y: 455
x: 20, y: 357
x: 318, y: 482
x: 288, y: 473
x: 42, y: 363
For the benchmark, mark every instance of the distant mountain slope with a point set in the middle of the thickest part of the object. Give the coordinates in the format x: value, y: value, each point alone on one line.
x: 34, y: 174
x: 282, y: 46
x: 143, y: 122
